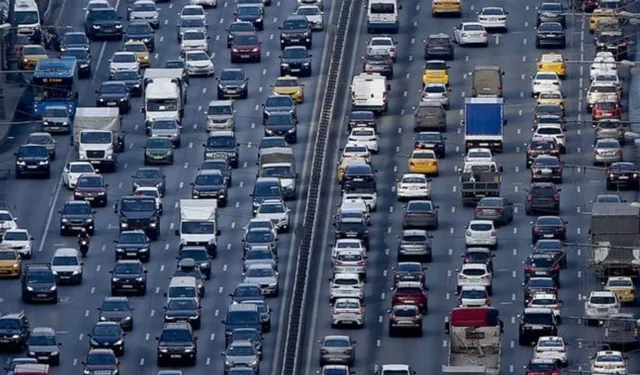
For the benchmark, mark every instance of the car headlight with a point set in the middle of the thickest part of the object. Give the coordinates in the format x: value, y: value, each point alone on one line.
x: 153, y: 225
x: 259, y: 20
x: 126, y: 318
x: 44, y: 162
x: 145, y: 40
x: 19, y: 162
x: 103, y: 319
x: 101, y: 99
x: 228, y: 363
x: 16, y: 265
x: 33, y: 354
x: 284, y: 65
x: 115, y: 279
x: 65, y: 220
x: 94, y: 342
x: 195, y: 192
x: 15, y: 336
x: 306, y: 64
x: 89, y: 220
x: 118, y: 26
x: 139, y: 278
x: 96, y: 26
x: 188, y: 350
x: 123, y: 99
x: 54, y: 353
x: 253, y: 363
x: 53, y: 287
x: 86, y: 371
x: 118, y: 343
x: 292, y: 130
x: 76, y: 272
x: 30, y: 288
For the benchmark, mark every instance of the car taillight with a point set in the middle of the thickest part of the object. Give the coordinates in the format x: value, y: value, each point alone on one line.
x: 412, y: 163
x: 485, y: 277
x: 478, y: 210
x: 556, y: 197
x: 560, y: 229
x: 348, y: 351
x: 606, y: 331
x: 536, y: 229
x: 485, y: 35
x: 555, y: 267
x: 362, y: 263
x: 529, y: 198
x: 499, y: 210
x: 528, y: 268
x: 493, y: 233
x: 468, y: 233
x: 488, y: 301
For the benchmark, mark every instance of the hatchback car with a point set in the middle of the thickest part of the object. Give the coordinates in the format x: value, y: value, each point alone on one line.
x: 547, y: 168
x: 499, y: 210
x: 420, y: 214
x: 338, y: 349
x: 607, y: 151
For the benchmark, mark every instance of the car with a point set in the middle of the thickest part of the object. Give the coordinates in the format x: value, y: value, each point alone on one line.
x: 210, y: 184
x: 107, y: 335
x: 74, y: 39
x: 158, y: 151
x: 365, y: 119
x: 603, y: 110
x: 553, y: 348
x: 493, y: 18
x: 149, y: 176
x: 291, y: 86
x: 436, y: 93
x: 423, y: 161
x: 552, y: 247
x: 92, y: 187
x: 205, y: 3
x: 282, y: 124
x: 541, y: 146
x: 413, y: 186
x: 379, y: 62
x: 101, y: 360
x: 536, y: 285
x: 167, y: 128
x: 14, y: 329
x: 19, y: 240
x: 364, y: 136
x: 405, y: 319
x: 346, y: 285
x: 552, y: 63
x: 56, y: 118
x: 409, y: 271
x: 474, y: 274
x: 620, y: 331
x: 250, y: 334
x: 97, y: 4
x: 32, y: 160
x: 478, y: 255
x: 239, y: 27
x: 296, y: 30
x: 431, y: 140
x: 12, y: 363
x: 547, y: 300
x: 261, y: 223
x: 339, y: 349
x: 276, y: 211
x: 221, y: 165
x: 548, y: 103
x: 117, y: 309
x: 193, y: 12
x: 608, y: 79
x: 200, y: 256
x: 535, y: 323
x: 352, y: 228
x: 623, y: 287
x: 198, y: 63
x: 232, y: 83
x: 123, y: 61
x: 241, y: 353
x: 347, y: 311
x: 547, y: 168
x: 187, y: 24
x: 479, y: 155
x: 253, y: 13
x: 221, y: 114
x: 481, y: 233
x: 67, y: 266
x: 622, y: 175
x: 420, y: 214
x: 545, y: 81
x: 410, y: 293
x: 246, y: 47
x: 140, y: 49
x: 188, y: 273
x: 608, y: 198
x: 474, y: 296
x: 7, y: 221
x: 542, y: 366
x: 103, y: 23
x: 296, y: 61
x: 30, y: 55
x: 555, y: 131
x: 613, y: 41
x: 314, y: 15
x: 601, y: 305
x: 438, y: 46
x: 194, y: 40
x: 353, y: 151
x: 132, y: 244
x: 132, y: 81
x: 38, y: 284
x: 265, y: 276
x: 551, y: 12
x: 471, y: 33
x: 610, y: 129
x: 141, y: 31
x: 350, y: 260
x: 551, y: 34
x: 183, y: 309
x: 415, y: 243
x: 264, y: 310
x: 44, y: 139
x: 279, y: 103
x: 542, y: 264
x: 10, y: 263
x: 246, y: 292
x: 436, y: 72
x: 128, y: 276
x: 144, y: 10
x: 177, y: 343
x: 543, y: 197
x: 609, y: 362
x: 114, y: 94
x: 265, y: 188
x: 259, y: 255
x: 548, y: 227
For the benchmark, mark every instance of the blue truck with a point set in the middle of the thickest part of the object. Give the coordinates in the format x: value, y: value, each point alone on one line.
x: 484, y: 123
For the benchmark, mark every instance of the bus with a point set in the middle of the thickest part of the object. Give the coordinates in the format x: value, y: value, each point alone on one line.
x: 54, y: 83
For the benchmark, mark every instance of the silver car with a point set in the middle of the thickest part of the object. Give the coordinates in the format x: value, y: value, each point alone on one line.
x: 145, y: 10
x: 221, y: 115
x: 265, y: 276
x: 414, y: 243
x: 241, y: 353
x: 607, y: 151
x: 337, y: 349
x: 436, y: 93
x: 186, y: 24
x: 610, y: 129
x: 260, y: 255
x: 551, y: 12
x: 46, y: 140
x: 56, y: 119
x: 167, y: 128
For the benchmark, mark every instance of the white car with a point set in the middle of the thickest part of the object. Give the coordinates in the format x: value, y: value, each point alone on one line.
x: 436, y: 93
x: 123, y: 61
x: 365, y: 136
x: 151, y: 191
x: 97, y: 4
x: 608, y: 79
x: 194, y: 40
x: 347, y: 311
x: 73, y: 170
x: 67, y: 266
x: 369, y: 198
x: 474, y: 296
x: 603, y: 64
x: 552, y: 347
x: 474, y: 274
x: 314, y: 15
x: 276, y: 211
x: 351, y: 244
x: 354, y: 204
x: 205, y: 3
x: 478, y: 155
x: 193, y: 11
x: 145, y: 10
x: 198, y: 63
x: 554, y: 131
x: 346, y: 285
x: 413, y: 186
x: 350, y: 261
x: 493, y: 18
x: 609, y: 362
x: 19, y: 240
x: 382, y: 44
x: 545, y: 81
x: 7, y: 222
x: 356, y: 150
x: 547, y: 301
x: 601, y: 305
x: 470, y: 33
x: 258, y: 222
x: 481, y: 233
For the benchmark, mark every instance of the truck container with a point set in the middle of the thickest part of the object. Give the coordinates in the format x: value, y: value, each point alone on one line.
x: 98, y: 137
x: 484, y: 123
x: 199, y: 224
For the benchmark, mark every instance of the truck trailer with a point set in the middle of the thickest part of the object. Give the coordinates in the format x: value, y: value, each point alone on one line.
x: 484, y: 123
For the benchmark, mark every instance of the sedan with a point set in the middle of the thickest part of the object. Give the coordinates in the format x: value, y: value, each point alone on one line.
x: 552, y: 247
x: 493, y: 18
x: 378, y: 61
x: 253, y: 13
x: 246, y: 47
x: 548, y: 227
x: 242, y: 353
x: 149, y: 176
x: 265, y: 276
x: 431, y: 140
x: 276, y: 211
x: 72, y: 171
x: 107, y: 335
x: 114, y: 94
x: 101, y: 360
x: 480, y: 255
x: 607, y: 151
x: 420, y: 214
x: 550, y: 34
x: 499, y: 210
x: 546, y: 168
x: 199, y: 63
x: 413, y: 186
x: 436, y: 92
x: 409, y: 271
x: 471, y: 33
x: 194, y: 40
x: 337, y: 349
x: 167, y: 128
x: 296, y: 61
x: 123, y: 61
x: 313, y: 14
x: 552, y: 347
x: 365, y: 136
x: 545, y: 81
x: 260, y: 255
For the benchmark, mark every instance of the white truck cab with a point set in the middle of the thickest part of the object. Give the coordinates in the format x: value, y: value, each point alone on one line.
x: 199, y: 224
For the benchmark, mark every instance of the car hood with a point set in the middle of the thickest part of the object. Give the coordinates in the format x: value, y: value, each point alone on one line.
x: 193, y: 42
x: 43, y: 348
x: 157, y: 132
x: 250, y: 262
x: 249, y: 17
x: 135, y: 36
x: 278, y: 109
x: 233, y: 82
x: 76, y: 216
x: 294, y: 31
x: 147, y: 182
x: 241, y: 359
x: 107, y: 22
x: 144, y: 14
x: 208, y: 187
x: 132, y: 246
x: 138, y: 214
x: 181, y: 313
x: 41, y: 286
x: 117, y: 96
x: 291, y: 60
x: 105, y: 339
x: 32, y: 158
x: 124, y: 66
x: 65, y: 268
x: 176, y: 343
x: 91, y: 367
x: 158, y: 150
x: 115, y: 314
x: 126, y: 276
x: 89, y: 189
x: 7, y: 332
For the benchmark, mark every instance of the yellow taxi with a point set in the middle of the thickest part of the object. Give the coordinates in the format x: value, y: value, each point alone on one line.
x: 291, y: 86
x: 435, y: 71
x: 446, y: 7
x: 622, y: 287
x: 30, y: 55
x: 598, y: 15
x: 553, y: 63
x: 424, y: 162
x: 10, y: 263
x: 140, y: 49
x: 342, y: 166
x: 551, y: 97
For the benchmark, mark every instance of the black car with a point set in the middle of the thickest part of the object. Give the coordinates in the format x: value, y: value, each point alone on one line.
x: 107, y: 335
x: 221, y: 165
x: 366, y: 119
x: 114, y: 94
x: 551, y: 11
x: 409, y: 271
x: 295, y: 61
x: 265, y: 188
x: 210, y: 184
x: 128, y: 276
x: 264, y: 310
x: 178, y: 64
x: 246, y: 292
x: 241, y: 315
x: 101, y: 361
x: 44, y: 346
x: 548, y: 227
x: 282, y: 124
x: 117, y: 309
x: 83, y: 60
x: 478, y: 255
x: 238, y: 27
x: 142, y: 31
x: 253, y: 13
x: 92, y: 187
x: 542, y: 265
x: 32, y: 160
x: 438, y: 46
x: 614, y: 42
x: 378, y: 61
x: 553, y: 247
x: 543, y: 198
x: 295, y: 31
x: 158, y: 150
x: 75, y: 216
x: 177, y: 343
x: 223, y: 144
x: 535, y: 323
x: 278, y: 104
x: 546, y: 168
x: 200, y: 256
x: 358, y: 176
x: 550, y: 34
x: 103, y: 23
x: 537, y: 285
x: 352, y: 228
x: 14, y: 331
x: 75, y: 39
x: 133, y: 244
x: 131, y: 79
x: 183, y: 310
x: 149, y: 176
x: 233, y: 83
x: 541, y: 146
x: 38, y: 283
x: 623, y: 175
x: 432, y: 141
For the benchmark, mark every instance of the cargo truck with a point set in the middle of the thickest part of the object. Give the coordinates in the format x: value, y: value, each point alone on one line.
x: 97, y: 136
x: 484, y: 123
x: 165, y: 95
x: 279, y: 162
x: 199, y: 224
x: 615, y: 240
x: 479, y: 179
x: 474, y: 344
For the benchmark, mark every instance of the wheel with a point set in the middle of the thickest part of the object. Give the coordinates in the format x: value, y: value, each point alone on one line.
x: 521, y: 342
x: 392, y: 333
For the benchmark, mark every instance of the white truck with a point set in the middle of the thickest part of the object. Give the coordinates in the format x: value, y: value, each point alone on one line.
x: 199, y: 224
x: 97, y: 136
x: 279, y: 162
x: 165, y: 95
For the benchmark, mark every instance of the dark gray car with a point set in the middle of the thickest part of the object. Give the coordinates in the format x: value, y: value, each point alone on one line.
x: 551, y: 12
x: 44, y: 346
x: 621, y: 331
x: 420, y: 214
x: 337, y: 349
x: 430, y: 116
x: 117, y: 309
x: 499, y: 210
x: 149, y: 177
x: 543, y: 198
x: 168, y: 128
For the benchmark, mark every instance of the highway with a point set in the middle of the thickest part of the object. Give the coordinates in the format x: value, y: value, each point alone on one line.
x: 515, y: 52
x: 36, y: 202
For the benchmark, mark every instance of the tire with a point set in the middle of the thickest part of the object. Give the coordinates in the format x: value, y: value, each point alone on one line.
x: 521, y: 342
x: 392, y: 333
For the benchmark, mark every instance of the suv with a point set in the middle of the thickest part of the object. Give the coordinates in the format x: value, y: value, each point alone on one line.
x: 356, y: 228
x: 438, y: 46
x: 410, y: 293
x: 75, y: 216
x: 544, y: 198
x: 132, y: 244
x: 32, y: 159
x: 535, y: 323
x: 177, y: 342
x: 139, y: 212
x: 621, y: 330
x: 39, y: 283
x: 210, y: 184
x: 551, y: 12
x: 430, y: 116
x: 44, y: 345
x: 66, y: 266
x: 223, y: 144
x: 541, y: 146
x: 128, y: 276
x: 103, y: 23
x: 117, y: 309
x: 487, y: 81
x: 14, y: 330
x: 414, y: 243
x: 233, y: 82
x: 295, y: 31
x: 265, y: 188
x: 405, y: 318
x: 241, y: 315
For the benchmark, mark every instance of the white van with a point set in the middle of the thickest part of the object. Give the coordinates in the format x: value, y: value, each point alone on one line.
x: 370, y: 92
x: 183, y: 287
x: 383, y: 16
x: 27, y: 18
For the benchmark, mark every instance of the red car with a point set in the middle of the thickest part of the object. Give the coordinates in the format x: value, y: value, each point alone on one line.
x: 606, y: 110
x: 589, y: 5
x: 410, y: 293
x: 246, y: 47
x: 542, y: 367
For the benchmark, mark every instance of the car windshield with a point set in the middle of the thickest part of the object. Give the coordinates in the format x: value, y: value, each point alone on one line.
x: 192, y: 23
x: 111, y: 88
x: 43, y: 341
x: 132, y: 238
x: 227, y: 142
x: 187, y: 227
x: 246, y: 40
x: 620, y: 283
x: 548, y: 245
x: 138, y: 29
x: 492, y: 12
x: 242, y: 27
x: 551, y: 7
x: 279, y: 101
x: 413, y: 180
x: 162, y: 105
x: 106, y: 330
x: 26, y: 17
x: 16, y: 236
x: 175, y: 335
x: 164, y: 125
x: 209, y: 179
x: 490, y: 202
x: 602, y: 300
x: 542, y: 146
x: 538, y: 318
x: 408, y: 290
x: 435, y: 65
x: 546, y: 162
x: 345, y: 282
x: 144, y: 7
x: 419, y: 207
x: 174, y: 64
x: 435, y: 89
x: 608, y: 198
x: 89, y: 181
x: 541, y: 283
x: 259, y: 254
x: 438, y: 40
x: 9, y: 324
x: 33, y: 151
x: 126, y: 58
x: 608, y: 144
x: 65, y: 261
x: 194, y: 35
x: 135, y: 47
x: 346, y: 305
x: 414, y: 238
x: 342, y: 257
x: 55, y: 112
x: 474, y: 272
x: 215, y: 165
x: 308, y: 11
x: 549, y: 131
x: 541, y: 367
x: 541, y: 262
x: 138, y: 204
x: 544, y: 301
x: 353, y: 149
x: 182, y: 304
x: 279, y: 119
x: 259, y: 237
x: 197, y: 56
x: 609, y: 358
x: 281, y: 172
x: 247, y: 291
x: 271, y: 209
x: 473, y: 294
x: 606, y: 106
x: 473, y: 27
x: 295, y: 53
x: 480, y: 227
x: 266, y: 190
x: 241, y: 350
x: 550, y: 28
x: 126, y: 75
x: 101, y: 359
x: 287, y: 82
x: 148, y: 173
x: 551, y: 344
x: 8, y: 255
x: 552, y: 221
x: 127, y: 269
x: 347, y: 227
x: 115, y: 306
x: 249, y: 11
x: 40, y: 278
x: 623, y: 167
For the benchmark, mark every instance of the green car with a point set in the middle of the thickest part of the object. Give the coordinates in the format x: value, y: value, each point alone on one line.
x: 158, y: 151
